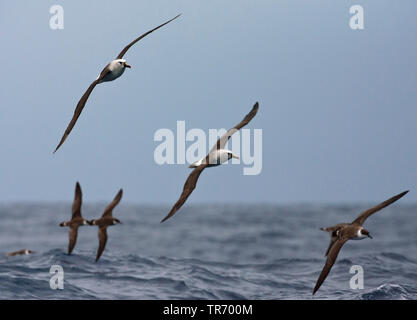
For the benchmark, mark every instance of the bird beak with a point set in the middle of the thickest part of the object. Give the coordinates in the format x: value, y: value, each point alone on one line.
x: 234, y: 156
x: 370, y: 236
x: 127, y: 66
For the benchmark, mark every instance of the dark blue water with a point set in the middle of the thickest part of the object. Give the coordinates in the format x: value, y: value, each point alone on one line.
x: 207, y: 252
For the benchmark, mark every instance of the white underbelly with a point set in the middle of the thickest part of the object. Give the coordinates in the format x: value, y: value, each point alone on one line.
x: 113, y: 75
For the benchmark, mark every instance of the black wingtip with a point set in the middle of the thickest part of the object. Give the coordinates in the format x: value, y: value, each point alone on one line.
x: 59, y: 145
x: 120, y: 194
x: 166, y: 218
x: 169, y: 215
x: 315, y: 289
x: 400, y: 195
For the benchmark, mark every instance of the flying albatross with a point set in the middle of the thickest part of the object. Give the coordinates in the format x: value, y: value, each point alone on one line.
x: 342, y: 232
x: 215, y: 157
x: 111, y: 72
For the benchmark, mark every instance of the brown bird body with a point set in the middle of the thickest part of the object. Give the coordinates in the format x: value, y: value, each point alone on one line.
x: 20, y: 252
x: 76, y: 220
x: 342, y: 232
x: 111, y: 72
x: 106, y: 220
x: 215, y: 157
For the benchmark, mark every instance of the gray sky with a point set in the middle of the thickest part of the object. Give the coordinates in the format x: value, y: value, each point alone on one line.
x: 337, y: 106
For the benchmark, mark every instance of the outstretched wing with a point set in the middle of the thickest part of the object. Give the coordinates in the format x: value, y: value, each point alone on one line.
x: 333, y: 234
x: 331, y: 258
x: 102, y: 238
x: 363, y: 216
x: 189, y: 186
x: 76, y: 205
x: 73, y: 233
x: 223, y: 140
x: 80, y: 106
x: 122, y: 53
x: 332, y: 241
x: 108, y: 212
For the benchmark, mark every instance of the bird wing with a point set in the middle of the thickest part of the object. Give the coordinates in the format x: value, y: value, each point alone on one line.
x: 224, y: 138
x: 108, y: 212
x: 102, y: 238
x: 76, y: 205
x: 122, y: 53
x: 189, y: 186
x: 331, y: 258
x: 80, y: 106
x: 332, y: 241
x: 333, y: 234
x: 73, y: 233
x: 364, y: 215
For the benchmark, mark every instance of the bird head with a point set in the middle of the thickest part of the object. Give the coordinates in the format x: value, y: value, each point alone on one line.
x: 116, y: 221
x: 366, y: 233
x: 123, y: 63
x: 232, y: 155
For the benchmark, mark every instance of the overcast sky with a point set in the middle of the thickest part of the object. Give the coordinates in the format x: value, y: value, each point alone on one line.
x: 338, y: 106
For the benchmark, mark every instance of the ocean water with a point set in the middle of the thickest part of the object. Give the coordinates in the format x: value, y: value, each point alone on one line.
x: 207, y: 252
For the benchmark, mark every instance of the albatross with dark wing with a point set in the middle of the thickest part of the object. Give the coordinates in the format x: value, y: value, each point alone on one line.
x: 111, y: 72
x: 76, y: 220
x: 215, y: 157
x: 342, y: 232
x: 105, y: 221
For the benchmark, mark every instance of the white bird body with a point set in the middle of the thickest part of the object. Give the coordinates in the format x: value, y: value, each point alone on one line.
x: 116, y: 69
x: 216, y: 158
